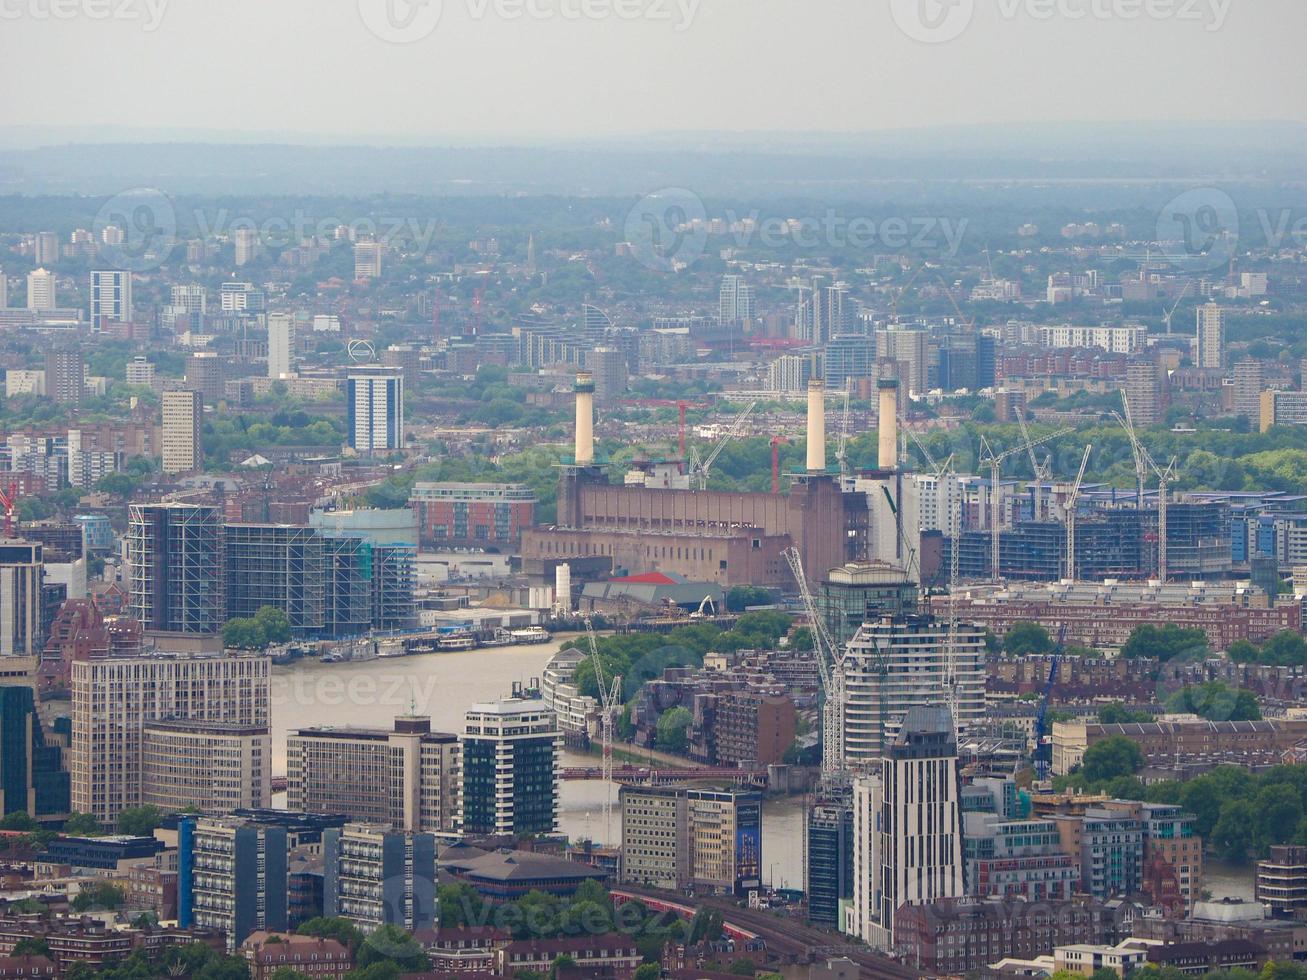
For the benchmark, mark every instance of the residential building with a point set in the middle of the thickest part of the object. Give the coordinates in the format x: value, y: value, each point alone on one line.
x: 1281, y: 881
x: 245, y: 242
x: 175, y: 574
x: 206, y: 372
x: 735, y: 303
x: 613, y: 955
x: 375, y: 876
x: 33, y: 776
x: 367, y: 260
x: 310, y: 956
x: 41, y: 291
x: 1209, y: 342
x: 791, y: 372
x: 46, y: 248
x: 213, y: 767
x: 1182, y: 743
x: 1126, y: 339
x: 233, y: 872
x: 375, y: 412
x: 692, y: 835
x: 140, y: 371
x: 896, y: 663
x: 111, y: 298
x: 1110, y: 846
x: 1248, y: 384
x: 608, y: 366
x: 907, y: 835
x: 114, y: 700
x: 1282, y: 408
x: 472, y: 515
x: 65, y: 376
x: 187, y: 308
x: 861, y: 592
x: 182, y: 433
x: 408, y: 778
x: 1145, y: 388
x: 281, y: 344
x: 828, y: 870
x: 1169, y: 836
x: 510, y: 768
x: 372, y: 550
x: 1017, y: 858
x: 1086, y: 959
x: 21, y: 574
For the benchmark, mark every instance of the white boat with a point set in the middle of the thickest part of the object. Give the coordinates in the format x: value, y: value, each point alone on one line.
x: 532, y: 634
x: 391, y: 648
x: 456, y: 643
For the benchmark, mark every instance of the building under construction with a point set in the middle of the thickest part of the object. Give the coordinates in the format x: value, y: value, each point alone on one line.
x: 1115, y: 542
x: 707, y: 536
x: 281, y: 565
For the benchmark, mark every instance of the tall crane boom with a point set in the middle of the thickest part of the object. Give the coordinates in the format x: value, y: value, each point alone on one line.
x: 830, y: 670
x: 702, y: 469
x: 995, y: 462
x: 610, y: 695
x: 1073, y: 502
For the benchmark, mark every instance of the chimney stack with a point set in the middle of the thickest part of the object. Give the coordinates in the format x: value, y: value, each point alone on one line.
x: 887, y: 428
x: 816, y: 427
x: 585, y: 419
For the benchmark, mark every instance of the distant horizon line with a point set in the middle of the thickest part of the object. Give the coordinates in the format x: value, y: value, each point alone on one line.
x: 35, y: 136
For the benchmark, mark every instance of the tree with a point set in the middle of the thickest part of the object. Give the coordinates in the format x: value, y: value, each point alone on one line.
x: 672, y: 730
x: 743, y: 968
x: 31, y: 946
x: 460, y: 906
x: 741, y: 597
x: 1216, y: 701
x: 1027, y: 638
x: 648, y: 971
x: 286, y: 973
x: 391, y: 944
x: 244, y: 634
x: 139, y: 821
x: 19, y: 820
x: 82, y: 825
x: 120, y: 485
x: 341, y: 930
x: 1118, y: 714
x: 1111, y: 758
x: 99, y: 895
x: 1234, y: 835
x: 275, y: 624
x: 1165, y: 643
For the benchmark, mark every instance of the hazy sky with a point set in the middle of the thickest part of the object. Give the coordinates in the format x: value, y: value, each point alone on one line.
x: 505, y: 68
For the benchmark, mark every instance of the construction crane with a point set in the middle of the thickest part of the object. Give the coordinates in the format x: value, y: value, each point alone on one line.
x: 842, y: 450
x: 610, y: 696
x: 1072, y: 504
x: 9, y: 502
x: 1178, y: 300
x: 830, y: 670
x: 1164, y: 479
x: 1041, y: 474
x: 995, y: 462
x: 1127, y: 422
x: 1043, y: 746
x: 894, y: 303
x: 699, y: 469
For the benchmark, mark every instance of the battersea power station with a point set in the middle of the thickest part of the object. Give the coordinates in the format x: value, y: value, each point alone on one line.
x: 662, y: 525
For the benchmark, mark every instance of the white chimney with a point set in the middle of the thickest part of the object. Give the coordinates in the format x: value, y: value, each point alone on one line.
x: 887, y: 428
x: 816, y: 427
x: 585, y: 419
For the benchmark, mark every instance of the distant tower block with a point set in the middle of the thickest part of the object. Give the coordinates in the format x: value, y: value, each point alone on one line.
x: 816, y: 427
x: 887, y: 429
x: 585, y: 408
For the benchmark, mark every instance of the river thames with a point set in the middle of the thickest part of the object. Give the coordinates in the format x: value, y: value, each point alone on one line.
x: 443, y: 686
